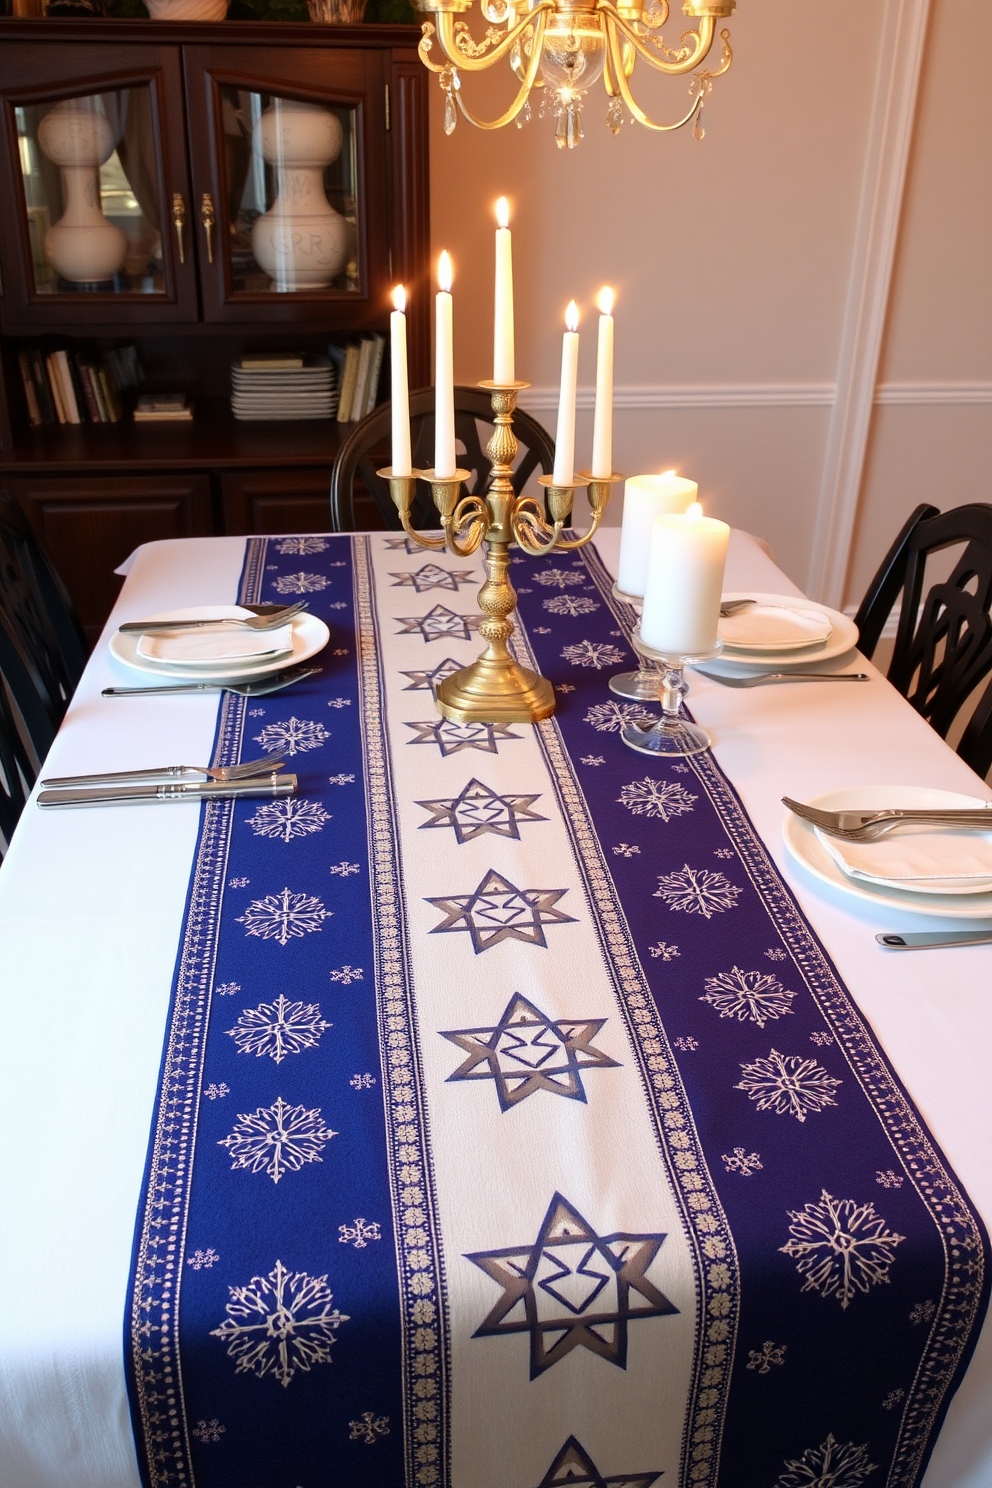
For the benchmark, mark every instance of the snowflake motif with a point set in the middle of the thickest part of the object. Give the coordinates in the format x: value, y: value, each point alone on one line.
x: 238, y: 883
x: 359, y: 1234
x: 770, y: 1353
x: 564, y: 687
x: 665, y: 951
x: 892, y: 1399
x: 688, y: 1045
x: 339, y: 703
x: 821, y: 1039
x: 284, y: 916
x: 889, y: 1179
x: 775, y: 953
x: 542, y: 630
x: 724, y: 852
x: 280, y: 1323
x: 616, y: 632
x: 682, y: 769
x: 279, y: 1028
x: 741, y: 1162
x: 658, y: 798
x: 256, y: 712
x: 339, y: 564
x: 202, y: 1260
x: 841, y: 1247
x: 593, y: 759
x: 208, y: 1431
x: 788, y: 1085
x: 340, y: 651
x: 362, y: 1082
x: 570, y: 604
x: 277, y: 1139
x: 611, y: 718
x: 227, y: 989
x: 557, y: 578
x: 301, y: 583
x: 596, y: 654
x: 347, y: 975
x: 217, y: 1092
x: 341, y: 779
x: 625, y: 850
x: 304, y: 546
x: 295, y: 736
x: 922, y: 1313
x: 748, y: 994
x: 833, y: 1464
x: 369, y: 1428
x: 287, y: 819
x: 522, y: 590
x: 345, y: 870
x: 697, y: 891
x: 339, y: 604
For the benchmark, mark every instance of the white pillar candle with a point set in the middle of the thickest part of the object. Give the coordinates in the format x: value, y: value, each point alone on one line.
x: 503, y: 300
x: 564, y: 471
x: 685, y: 581
x: 444, y: 374
x: 402, y: 463
x: 644, y: 498
x: 602, y: 429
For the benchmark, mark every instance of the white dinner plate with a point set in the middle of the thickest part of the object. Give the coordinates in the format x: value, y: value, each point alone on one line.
x: 237, y: 646
x: 843, y: 637
x: 806, y: 848
x: 310, y: 635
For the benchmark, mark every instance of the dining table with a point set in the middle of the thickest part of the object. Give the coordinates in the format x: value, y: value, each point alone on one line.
x: 476, y: 1357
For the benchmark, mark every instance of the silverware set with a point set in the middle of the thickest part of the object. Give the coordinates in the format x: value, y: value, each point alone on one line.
x: 261, y: 777
x: 263, y: 617
x: 259, y: 687
x: 868, y: 826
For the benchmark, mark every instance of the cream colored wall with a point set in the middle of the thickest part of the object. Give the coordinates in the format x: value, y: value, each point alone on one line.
x: 732, y: 259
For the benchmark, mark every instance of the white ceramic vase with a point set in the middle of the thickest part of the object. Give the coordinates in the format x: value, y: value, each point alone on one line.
x: 301, y: 241
x: 82, y: 247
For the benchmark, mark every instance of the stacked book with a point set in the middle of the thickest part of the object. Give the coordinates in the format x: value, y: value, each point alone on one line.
x: 73, y: 387
x: 290, y: 385
x: 360, y: 370
x: 157, y: 408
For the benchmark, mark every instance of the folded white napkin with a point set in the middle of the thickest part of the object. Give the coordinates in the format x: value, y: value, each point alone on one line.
x: 931, y: 860
x: 215, y: 647
x: 774, y: 627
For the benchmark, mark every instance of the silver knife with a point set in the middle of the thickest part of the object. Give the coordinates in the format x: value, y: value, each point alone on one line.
x: 921, y: 940
x: 211, y: 790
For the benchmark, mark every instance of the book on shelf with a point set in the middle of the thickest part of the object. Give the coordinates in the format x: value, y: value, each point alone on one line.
x: 62, y: 386
x: 359, y: 367
x: 30, y: 393
x: 348, y: 376
x: 375, y: 371
x: 362, y: 380
x: 163, y: 407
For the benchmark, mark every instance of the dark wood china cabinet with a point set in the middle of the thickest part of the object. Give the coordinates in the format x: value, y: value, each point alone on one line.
x: 197, y: 192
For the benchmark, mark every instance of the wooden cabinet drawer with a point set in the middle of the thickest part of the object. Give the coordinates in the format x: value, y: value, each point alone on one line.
x: 263, y: 501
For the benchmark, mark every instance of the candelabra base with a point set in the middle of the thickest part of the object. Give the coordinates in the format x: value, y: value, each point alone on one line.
x: 495, y: 690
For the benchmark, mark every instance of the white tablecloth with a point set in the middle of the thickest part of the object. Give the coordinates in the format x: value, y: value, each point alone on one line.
x: 91, y: 906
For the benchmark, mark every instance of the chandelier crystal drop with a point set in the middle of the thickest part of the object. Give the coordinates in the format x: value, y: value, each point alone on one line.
x: 564, y: 47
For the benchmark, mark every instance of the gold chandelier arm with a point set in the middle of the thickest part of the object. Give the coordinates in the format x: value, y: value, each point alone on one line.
x: 525, y: 86
x: 470, y: 508
x: 528, y: 526
x: 629, y: 100
x: 647, y: 46
x: 466, y: 54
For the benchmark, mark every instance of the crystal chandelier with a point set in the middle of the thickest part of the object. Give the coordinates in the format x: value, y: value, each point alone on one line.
x: 563, y: 47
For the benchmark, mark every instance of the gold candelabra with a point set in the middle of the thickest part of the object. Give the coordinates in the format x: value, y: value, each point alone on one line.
x: 496, y: 688
x: 564, y: 46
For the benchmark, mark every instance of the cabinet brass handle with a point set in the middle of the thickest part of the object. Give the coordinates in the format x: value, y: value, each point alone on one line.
x: 207, y: 218
x: 179, y: 218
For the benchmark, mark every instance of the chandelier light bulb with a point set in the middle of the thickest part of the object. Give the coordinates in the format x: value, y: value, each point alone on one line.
x: 572, y: 316
x: 399, y: 298
x: 502, y: 212
x: 444, y: 274
x: 604, y: 300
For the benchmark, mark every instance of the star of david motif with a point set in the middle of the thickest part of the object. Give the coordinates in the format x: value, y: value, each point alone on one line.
x: 438, y: 623
x: 431, y: 576
x: 573, y: 1288
x: 478, y: 810
x: 528, y: 1051
x: 429, y: 678
x: 451, y: 737
x: 573, y: 1467
x: 498, y: 910
x: 404, y: 544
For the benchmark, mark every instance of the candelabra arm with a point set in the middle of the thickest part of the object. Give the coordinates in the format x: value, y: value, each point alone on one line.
x: 528, y: 78
x: 648, y: 46
x: 471, y: 509
x: 462, y: 52
x: 623, y: 86
x: 565, y: 543
x: 402, y: 488
x: 598, y: 489
x: 529, y: 526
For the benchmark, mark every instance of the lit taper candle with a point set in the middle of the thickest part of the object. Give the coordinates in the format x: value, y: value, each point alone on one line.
x: 602, y: 429
x: 503, y: 300
x: 564, y: 472
x: 399, y: 385
x: 444, y: 374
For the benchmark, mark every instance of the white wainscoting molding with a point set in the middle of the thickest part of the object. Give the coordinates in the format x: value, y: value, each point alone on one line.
x: 933, y: 394
x: 764, y: 395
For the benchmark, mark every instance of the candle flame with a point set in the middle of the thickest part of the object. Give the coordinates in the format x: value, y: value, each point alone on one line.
x: 399, y: 298
x: 667, y: 475
x: 503, y: 212
x: 444, y: 274
x: 694, y: 512
x: 572, y: 316
x: 605, y: 300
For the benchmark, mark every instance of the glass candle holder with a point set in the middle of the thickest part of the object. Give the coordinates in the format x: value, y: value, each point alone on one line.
x: 640, y: 686
x: 674, y: 735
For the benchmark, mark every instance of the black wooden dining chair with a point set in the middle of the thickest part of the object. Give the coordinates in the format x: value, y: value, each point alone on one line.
x: 367, y: 448
x: 943, y: 643
x: 17, y: 772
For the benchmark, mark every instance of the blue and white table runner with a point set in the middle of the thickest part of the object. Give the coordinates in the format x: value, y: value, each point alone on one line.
x: 513, y: 1128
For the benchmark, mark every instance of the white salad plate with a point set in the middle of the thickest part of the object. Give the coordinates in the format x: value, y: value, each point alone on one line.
x: 807, y: 848
x: 310, y: 635
x: 843, y: 637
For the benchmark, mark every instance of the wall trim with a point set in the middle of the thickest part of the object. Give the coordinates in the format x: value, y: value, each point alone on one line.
x: 932, y: 394
x: 644, y: 396
x: 904, y: 28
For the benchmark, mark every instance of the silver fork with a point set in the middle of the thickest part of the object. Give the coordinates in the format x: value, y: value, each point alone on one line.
x: 866, y: 826
x: 246, y: 770
x: 260, y: 688
x: 759, y: 679
x: 267, y: 617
